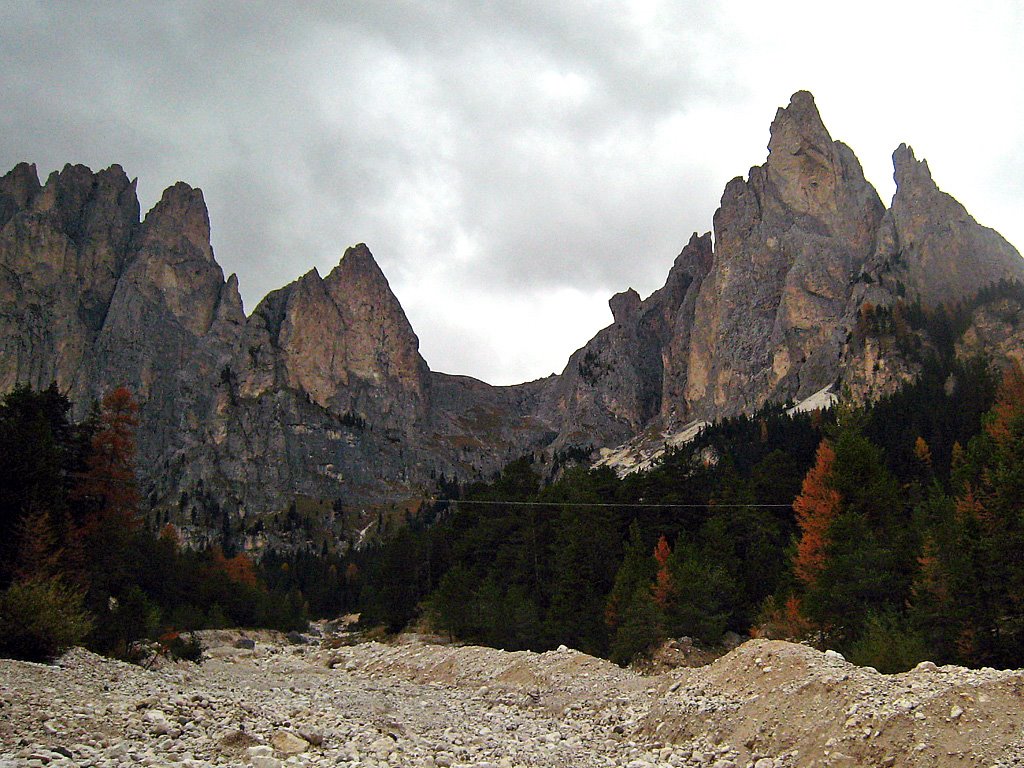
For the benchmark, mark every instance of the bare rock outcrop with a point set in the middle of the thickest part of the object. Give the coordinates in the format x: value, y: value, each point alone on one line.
x: 788, y: 241
x: 634, y: 371
x: 62, y: 248
x: 929, y: 245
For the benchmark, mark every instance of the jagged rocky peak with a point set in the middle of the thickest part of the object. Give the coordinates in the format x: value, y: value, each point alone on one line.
x: 71, y: 236
x: 814, y: 175
x: 787, y: 242
x: 180, y: 222
x: 802, y: 160
x: 339, y: 338
x: 910, y: 173
x: 18, y: 187
x: 624, y: 306
x: 930, y: 247
x: 229, y: 306
x: 174, y: 263
x: 385, y: 343
x: 89, y: 204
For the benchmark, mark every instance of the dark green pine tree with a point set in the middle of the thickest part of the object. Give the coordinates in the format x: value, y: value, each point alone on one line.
x: 452, y: 606
x: 975, y: 563
x: 636, y: 572
x: 40, y: 449
x: 640, y: 628
x: 870, y: 550
x: 584, y: 556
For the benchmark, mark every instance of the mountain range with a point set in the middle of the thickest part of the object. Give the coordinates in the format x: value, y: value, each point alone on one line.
x: 315, y: 418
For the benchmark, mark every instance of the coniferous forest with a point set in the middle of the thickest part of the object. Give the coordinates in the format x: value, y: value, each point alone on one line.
x: 890, y: 532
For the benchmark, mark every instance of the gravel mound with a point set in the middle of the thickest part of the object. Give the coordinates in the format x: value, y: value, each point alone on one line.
x: 265, y: 701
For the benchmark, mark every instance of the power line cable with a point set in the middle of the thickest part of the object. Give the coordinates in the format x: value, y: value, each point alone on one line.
x: 629, y: 505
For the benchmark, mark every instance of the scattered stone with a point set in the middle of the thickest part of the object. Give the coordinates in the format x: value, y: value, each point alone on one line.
x: 313, y: 735
x: 288, y: 743
x: 413, y: 705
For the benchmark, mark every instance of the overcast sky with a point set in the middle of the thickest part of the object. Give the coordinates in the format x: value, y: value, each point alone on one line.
x: 511, y: 165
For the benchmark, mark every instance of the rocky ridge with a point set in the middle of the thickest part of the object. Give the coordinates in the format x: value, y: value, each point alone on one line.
x: 315, y: 416
x: 262, y: 702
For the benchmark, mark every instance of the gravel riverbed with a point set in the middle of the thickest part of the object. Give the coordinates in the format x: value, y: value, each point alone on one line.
x: 768, y: 704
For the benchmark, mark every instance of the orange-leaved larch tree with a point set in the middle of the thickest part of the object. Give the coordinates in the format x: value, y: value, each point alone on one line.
x: 108, y: 485
x: 107, y: 497
x: 239, y: 569
x: 663, y: 588
x: 1008, y: 406
x: 816, y: 507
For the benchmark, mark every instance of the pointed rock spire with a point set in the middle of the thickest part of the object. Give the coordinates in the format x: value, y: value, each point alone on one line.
x: 933, y: 246
x: 180, y: 221
x: 18, y: 188
x: 625, y: 305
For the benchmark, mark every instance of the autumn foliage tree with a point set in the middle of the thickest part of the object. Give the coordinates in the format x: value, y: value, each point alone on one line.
x: 816, y: 507
x: 854, y: 556
x: 104, y: 552
x: 108, y: 485
x: 663, y: 588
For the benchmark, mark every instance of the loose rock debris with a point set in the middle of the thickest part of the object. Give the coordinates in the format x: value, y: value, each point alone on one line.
x: 271, y: 704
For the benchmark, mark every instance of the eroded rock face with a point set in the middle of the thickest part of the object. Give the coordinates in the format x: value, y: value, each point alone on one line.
x: 634, y: 371
x: 62, y: 249
x: 931, y: 247
x: 317, y: 408
x: 788, y: 241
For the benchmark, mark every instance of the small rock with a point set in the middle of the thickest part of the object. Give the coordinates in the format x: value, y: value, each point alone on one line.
x: 288, y: 743
x: 765, y: 762
x: 731, y: 640
x: 313, y: 735
x: 245, y: 643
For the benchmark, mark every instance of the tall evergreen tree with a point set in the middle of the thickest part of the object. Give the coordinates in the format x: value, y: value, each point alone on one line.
x: 856, y: 552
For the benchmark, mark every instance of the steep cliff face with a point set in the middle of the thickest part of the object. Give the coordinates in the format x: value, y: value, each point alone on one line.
x: 930, y: 247
x: 636, y: 370
x: 62, y: 248
x: 788, y: 242
x: 315, y: 415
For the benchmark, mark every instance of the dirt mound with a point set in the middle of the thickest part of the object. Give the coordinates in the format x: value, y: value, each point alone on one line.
x: 774, y: 698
